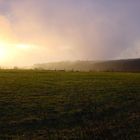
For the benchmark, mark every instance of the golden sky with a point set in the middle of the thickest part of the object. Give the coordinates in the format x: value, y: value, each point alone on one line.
x: 38, y: 31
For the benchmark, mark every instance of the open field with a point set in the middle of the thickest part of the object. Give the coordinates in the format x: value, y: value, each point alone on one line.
x: 41, y: 105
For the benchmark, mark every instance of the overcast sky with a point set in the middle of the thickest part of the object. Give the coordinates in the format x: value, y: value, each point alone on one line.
x: 57, y: 30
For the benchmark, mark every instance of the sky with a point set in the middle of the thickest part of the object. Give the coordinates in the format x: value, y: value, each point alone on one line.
x: 39, y: 31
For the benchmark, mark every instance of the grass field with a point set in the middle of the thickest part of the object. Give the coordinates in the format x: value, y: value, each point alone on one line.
x: 41, y: 105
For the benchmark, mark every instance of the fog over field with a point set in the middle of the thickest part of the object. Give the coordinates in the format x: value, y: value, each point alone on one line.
x: 38, y: 31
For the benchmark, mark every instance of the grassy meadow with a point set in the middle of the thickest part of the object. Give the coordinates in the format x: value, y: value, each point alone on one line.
x: 58, y: 105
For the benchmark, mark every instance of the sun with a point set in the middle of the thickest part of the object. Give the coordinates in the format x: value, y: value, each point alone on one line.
x: 7, y: 52
x: 10, y: 51
x: 3, y: 52
x: 23, y: 46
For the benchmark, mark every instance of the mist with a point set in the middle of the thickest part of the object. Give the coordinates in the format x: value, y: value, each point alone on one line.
x: 69, y: 30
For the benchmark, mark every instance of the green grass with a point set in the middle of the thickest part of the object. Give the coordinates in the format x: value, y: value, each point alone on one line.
x: 40, y: 105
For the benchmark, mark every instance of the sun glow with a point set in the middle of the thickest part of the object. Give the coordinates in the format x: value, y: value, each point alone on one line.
x: 3, y: 51
x: 9, y: 52
x: 23, y: 46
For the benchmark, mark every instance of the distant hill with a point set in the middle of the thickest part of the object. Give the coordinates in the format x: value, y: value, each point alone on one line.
x: 129, y: 65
